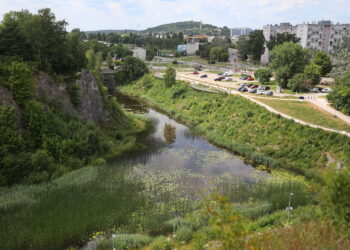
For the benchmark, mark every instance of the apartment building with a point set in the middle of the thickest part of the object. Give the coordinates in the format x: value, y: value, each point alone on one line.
x: 320, y: 36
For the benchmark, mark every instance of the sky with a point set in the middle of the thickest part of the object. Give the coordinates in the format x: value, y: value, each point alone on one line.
x: 137, y: 14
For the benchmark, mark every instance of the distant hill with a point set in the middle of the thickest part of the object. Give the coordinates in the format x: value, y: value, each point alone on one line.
x: 110, y: 31
x: 187, y: 27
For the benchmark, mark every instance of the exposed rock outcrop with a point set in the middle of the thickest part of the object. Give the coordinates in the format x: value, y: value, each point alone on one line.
x: 91, y: 107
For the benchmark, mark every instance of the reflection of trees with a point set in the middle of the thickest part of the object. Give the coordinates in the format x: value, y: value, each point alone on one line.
x: 169, y: 133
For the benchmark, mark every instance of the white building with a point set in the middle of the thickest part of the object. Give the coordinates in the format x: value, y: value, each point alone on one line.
x: 189, y: 48
x: 139, y: 53
x: 320, y: 36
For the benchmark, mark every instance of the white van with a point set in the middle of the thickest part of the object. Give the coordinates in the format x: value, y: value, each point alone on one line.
x: 228, y: 74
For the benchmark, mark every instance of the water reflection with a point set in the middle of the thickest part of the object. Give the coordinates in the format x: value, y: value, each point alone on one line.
x: 172, y: 149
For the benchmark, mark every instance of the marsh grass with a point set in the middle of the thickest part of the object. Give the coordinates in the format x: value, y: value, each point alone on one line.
x: 66, y: 211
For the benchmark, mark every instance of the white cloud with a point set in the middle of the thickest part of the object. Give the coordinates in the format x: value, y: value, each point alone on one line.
x: 132, y: 14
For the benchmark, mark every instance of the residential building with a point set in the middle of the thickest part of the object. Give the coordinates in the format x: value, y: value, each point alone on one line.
x: 189, y: 48
x: 320, y: 36
x: 139, y: 52
x: 240, y: 31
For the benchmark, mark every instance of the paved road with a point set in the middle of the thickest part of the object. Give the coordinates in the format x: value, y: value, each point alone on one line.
x: 251, y: 98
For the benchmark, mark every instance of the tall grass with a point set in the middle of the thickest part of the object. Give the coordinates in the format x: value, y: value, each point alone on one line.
x: 66, y: 211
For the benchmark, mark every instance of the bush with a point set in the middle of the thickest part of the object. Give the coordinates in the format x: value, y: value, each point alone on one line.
x: 174, y: 62
x: 160, y: 243
x: 183, y: 234
x: 263, y: 75
x: 338, y: 194
x: 170, y: 77
x: 300, y: 82
x: 131, y: 241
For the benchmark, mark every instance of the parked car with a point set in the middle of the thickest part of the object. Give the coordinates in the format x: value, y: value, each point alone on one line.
x: 268, y: 93
x: 263, y: 88
x: 203, y: 76
x: 326, y: 90
x: 220, y: 74
x: 253, y: 91
x: 195, y: 73
x: 228, y: 74
x: 228, y: 79
x: 243, y: 77
x: 250, y: 79
x: 254, y: 86
x: 220, y: 78
x: 316, y: 90
x: 260, y: 92
x: 301, y: 97
x: 242, y: 89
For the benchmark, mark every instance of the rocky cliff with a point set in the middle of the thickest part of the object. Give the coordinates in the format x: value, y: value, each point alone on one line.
x: 91, y: 106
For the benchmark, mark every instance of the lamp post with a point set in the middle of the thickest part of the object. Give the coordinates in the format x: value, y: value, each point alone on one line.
x: 289, y: 208
x: 113, y: 236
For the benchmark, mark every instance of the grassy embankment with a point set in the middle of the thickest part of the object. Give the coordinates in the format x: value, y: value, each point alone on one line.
x: 248, y: 129
x: 307, y: 112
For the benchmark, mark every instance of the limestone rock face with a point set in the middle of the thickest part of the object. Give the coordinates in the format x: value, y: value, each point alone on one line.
x: 91, y: 107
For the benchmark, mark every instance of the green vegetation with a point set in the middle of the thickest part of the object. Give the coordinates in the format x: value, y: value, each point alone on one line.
x: 41, y: 39
x: 169, y: 77
x: 281, y: 38
x: 125, y: 241
x: 187, y: 27
x: 324, y: 60
x: 67, y: 210
x: 269, y: 139
x: 132, y: 69
x: 285, y: 65
x: 340, y: 96
x: 263, y: 75
x: 251, y: 46
x: 307, y: 112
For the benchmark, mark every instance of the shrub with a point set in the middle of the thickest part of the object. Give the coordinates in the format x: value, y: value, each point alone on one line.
x: 160, y: 243
x: 300, y: 82
x: 170, y: 77
x: 183, y: 234
x: 338, y: 198
x: 263, y: 75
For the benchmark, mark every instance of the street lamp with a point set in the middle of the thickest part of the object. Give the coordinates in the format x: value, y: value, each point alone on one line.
x: 289, y: 208
x: 113, y: 236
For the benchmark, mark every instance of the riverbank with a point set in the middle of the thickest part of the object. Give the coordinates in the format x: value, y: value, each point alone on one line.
x: 248, y: 129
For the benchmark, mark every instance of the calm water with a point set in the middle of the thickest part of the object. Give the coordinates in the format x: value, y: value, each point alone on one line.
x: 174, y: 149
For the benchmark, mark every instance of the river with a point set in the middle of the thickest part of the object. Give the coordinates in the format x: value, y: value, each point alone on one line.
x: 178, y: 165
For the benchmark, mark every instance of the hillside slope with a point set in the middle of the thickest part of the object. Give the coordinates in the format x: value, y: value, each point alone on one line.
x: 186, y: 27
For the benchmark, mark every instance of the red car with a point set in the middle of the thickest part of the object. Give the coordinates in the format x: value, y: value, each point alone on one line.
x: 250, y: 79
x: 220, y: 78
x: 195, y: 73
x: 254, y: 86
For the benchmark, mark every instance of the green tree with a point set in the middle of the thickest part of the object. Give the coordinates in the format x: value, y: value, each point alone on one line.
x: 313, y: 72
x: 324, y: 60
x: 340, y: 96
x: 132, y: 69
x: 109, y: 61
x: 341, y: 58
x: 300, y: 82
x: 243, y: 47
x: 91, y: 61
x: 263, y: 75
x: 287, y: 60
x: 20, y: 82
x: 256, y: 44
x: 170, y: 77
x: 34, y: 122
x: 281, y: 38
